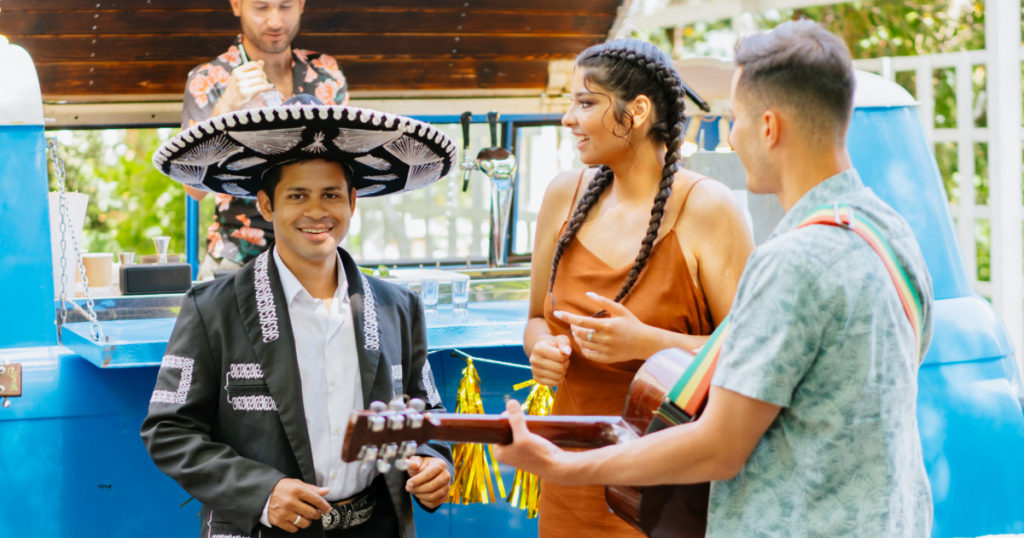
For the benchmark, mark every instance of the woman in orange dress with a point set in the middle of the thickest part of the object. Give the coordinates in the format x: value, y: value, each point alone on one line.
x: 627, y: 116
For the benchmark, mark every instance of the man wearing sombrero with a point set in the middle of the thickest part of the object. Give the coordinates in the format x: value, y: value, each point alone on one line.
x: 264, y: 367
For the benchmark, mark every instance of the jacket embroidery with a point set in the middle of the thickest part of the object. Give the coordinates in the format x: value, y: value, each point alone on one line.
x: 246, y: 371
x: 256, y: 402
x: 396, y: 372
x: 371, y: 334
x: 265, y: 300
x: 184, y: 383
x: 428, y: 384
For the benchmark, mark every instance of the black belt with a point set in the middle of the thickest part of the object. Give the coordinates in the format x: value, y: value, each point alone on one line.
x: 350, y: 512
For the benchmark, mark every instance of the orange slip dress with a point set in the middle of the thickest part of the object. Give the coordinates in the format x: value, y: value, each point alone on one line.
x: 665, y: 297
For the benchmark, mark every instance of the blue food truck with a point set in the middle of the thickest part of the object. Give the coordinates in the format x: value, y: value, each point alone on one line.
x: 72, y: 462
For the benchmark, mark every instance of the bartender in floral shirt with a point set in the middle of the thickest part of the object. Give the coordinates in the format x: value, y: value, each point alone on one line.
x: 260, y: 60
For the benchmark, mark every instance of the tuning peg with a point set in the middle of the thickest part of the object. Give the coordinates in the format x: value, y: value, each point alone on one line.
x: 367, y: 454
x: 402, y: 464
x: 418, y: 405
x: 397, y: 405
x: 378, y: 407
x: 415, y: 420
x: 387, y: 455
x: 396, y: 421
x: 408, y: 449
x: 376, y: 423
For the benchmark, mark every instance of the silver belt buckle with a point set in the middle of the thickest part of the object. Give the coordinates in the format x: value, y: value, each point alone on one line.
x: 346, y: 516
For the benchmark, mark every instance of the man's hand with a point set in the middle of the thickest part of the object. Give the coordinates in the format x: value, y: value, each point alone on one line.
x: 247, y: 81
x: 532, y: 453
x: 550, y: 359
x: 292, y: 498
x: 429, y: 480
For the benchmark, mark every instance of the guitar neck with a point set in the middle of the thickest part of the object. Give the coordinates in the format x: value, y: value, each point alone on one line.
x: 563, y: 431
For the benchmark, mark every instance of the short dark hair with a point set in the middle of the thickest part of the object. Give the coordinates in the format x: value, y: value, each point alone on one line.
x: 272, y: 177
x: 801, y: 67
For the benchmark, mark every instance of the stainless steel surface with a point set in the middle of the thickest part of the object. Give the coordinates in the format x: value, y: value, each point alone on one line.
x: 765, y: 209
x: 498, y: 164
x: 126, y: 258
x: 128, y: 307
x: 479, y: 273
x: 167, y: 305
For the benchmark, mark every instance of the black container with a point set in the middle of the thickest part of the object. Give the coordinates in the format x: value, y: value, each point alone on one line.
x: 156, y: 278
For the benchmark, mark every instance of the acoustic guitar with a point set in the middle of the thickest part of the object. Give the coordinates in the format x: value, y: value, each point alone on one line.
x: 387, y: 434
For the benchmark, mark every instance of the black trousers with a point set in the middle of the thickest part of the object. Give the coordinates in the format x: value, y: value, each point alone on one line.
x: 382, y: 524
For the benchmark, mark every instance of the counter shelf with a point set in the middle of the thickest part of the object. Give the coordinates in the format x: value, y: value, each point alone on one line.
x: 136, y: 327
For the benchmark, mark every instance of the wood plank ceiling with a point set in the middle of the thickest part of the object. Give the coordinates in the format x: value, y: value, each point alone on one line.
x: 102, y: 48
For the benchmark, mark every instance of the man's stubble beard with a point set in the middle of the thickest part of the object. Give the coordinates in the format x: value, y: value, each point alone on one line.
x: 255, y: 38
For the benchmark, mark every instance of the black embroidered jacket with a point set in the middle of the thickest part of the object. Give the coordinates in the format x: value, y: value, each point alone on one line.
x: 226, y: 419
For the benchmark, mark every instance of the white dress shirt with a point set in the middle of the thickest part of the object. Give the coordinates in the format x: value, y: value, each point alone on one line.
x: 325, y: 347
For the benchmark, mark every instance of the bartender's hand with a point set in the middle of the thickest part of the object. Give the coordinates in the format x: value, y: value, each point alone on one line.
x: 550, y: 359
x: 293, y: 498
x: 247, y: 81
x: 618, y: 338
x: 429, y: 480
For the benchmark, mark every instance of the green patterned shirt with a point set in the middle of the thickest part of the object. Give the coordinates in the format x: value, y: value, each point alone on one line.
x: 818, y: 329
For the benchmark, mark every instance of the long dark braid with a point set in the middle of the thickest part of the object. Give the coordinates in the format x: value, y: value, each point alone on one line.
x: 628, y: 68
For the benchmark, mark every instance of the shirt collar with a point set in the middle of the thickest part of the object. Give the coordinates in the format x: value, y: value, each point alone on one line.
x: 825, y: 192
x: 293, y: 288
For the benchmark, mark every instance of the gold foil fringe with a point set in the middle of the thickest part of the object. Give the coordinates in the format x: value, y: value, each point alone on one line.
x: 472, y: 483
x: 525, y: 493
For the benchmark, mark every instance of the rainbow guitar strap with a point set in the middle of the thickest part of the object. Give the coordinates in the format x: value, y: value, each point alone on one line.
x: 690, y: 393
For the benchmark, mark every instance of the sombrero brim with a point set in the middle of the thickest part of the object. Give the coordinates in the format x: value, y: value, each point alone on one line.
x: 384, y: 153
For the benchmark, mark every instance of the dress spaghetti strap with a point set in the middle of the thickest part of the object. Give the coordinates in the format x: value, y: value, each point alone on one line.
x: 685, y: 198
x: 575, y: 194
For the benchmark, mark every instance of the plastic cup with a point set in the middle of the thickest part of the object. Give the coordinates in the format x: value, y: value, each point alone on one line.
x: 428, y: 292
x: 460, y: 294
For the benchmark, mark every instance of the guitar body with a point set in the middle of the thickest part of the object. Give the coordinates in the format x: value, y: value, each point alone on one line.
x: 659, y: 511
x: 379, y: 437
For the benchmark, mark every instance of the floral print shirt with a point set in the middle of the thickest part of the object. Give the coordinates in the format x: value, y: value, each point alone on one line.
x: 818, y: 329
x: 239, y: 233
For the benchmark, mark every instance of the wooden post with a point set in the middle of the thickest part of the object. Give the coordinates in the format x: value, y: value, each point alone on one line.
x: 1002, y: 38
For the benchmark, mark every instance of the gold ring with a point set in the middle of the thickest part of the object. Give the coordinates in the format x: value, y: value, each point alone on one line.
x: 590, y: 336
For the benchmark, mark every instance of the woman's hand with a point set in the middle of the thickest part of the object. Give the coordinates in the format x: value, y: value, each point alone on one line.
x: 619, y: 338
x: 550, y: 359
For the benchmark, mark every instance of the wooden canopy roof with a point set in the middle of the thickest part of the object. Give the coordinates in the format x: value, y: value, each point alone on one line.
x: 145, y: 48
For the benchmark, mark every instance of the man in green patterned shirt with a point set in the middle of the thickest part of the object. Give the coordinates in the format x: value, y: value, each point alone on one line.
x: 810, y: 428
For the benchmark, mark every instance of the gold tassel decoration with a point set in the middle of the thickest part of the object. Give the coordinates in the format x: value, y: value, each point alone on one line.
x: 525, y: 493
x: 472, y: 483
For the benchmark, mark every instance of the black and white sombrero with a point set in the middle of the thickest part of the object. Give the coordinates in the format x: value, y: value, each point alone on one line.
x: 384, y: 153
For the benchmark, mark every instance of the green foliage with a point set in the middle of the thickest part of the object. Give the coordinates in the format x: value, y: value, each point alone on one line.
x: 895, y: 28
x: 130, y: 202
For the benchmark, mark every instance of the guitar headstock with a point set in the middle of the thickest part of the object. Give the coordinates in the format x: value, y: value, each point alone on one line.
x: 387, y: 434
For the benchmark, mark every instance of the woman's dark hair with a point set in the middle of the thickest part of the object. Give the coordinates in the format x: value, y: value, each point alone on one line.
x: 629, y: 68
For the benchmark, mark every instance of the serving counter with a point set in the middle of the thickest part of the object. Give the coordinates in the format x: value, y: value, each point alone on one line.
x: 71, y: 444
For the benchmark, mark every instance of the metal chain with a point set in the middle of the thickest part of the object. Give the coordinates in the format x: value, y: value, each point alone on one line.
x: 65, y: 229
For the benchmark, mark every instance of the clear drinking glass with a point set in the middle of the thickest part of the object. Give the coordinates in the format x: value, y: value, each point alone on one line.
x: 428, y: 291
x: 460, y: 294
